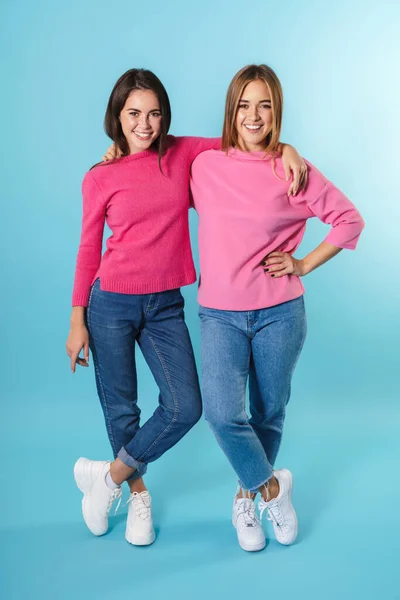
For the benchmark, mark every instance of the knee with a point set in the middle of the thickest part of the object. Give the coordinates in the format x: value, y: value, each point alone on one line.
x: 220, y: 422
x: 191, y: 415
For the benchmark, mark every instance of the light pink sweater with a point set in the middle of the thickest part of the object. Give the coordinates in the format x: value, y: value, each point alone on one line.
x: 245, y: 213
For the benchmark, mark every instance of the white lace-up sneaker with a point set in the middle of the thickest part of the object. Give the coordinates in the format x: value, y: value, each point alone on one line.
x: 139, y: 525
x: 249, y: 531
x: 90, y: 477
x: 280, y: 510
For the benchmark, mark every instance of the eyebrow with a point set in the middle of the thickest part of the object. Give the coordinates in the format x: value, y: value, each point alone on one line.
x: 152, y: 110
x: 261, y: 101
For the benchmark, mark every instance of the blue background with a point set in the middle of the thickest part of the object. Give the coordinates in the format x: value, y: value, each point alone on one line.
x: 339, y: 66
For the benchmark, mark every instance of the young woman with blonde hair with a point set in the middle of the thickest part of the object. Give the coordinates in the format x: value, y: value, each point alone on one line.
x: 253, y: 322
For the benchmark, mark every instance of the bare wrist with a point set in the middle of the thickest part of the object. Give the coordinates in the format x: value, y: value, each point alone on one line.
x: 77, y: 316
x: 305, y: 267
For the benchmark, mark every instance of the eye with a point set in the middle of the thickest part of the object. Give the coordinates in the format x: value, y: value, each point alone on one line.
x: 245, y: 106
x: 156, y: 114
x: 266, y: 106
x: 133, y: 113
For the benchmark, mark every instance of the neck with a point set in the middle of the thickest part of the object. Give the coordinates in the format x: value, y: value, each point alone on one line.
x: 241, y: 145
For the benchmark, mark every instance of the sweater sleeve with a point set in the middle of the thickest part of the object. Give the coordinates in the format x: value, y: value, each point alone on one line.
x: 90, y: 247
x: 331, y: 206
x: 197, y: 145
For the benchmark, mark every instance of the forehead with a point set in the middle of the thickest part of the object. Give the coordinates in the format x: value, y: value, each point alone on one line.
x: 256, y: 89
x: 142, y: 99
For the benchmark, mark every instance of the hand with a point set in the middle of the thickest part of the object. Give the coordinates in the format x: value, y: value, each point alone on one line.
x: 278, y: 264
x: 293, y: 163
x: 78, y: 338
x: 112, y: 152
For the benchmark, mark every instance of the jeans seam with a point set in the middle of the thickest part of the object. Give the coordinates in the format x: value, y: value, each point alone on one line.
x: 103, y: 394
x: 151, y: 306
x: 90, y: 298
x: 174, y: 417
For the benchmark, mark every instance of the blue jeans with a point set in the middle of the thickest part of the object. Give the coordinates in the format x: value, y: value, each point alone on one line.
x: 156, y: 322
x: 261, y: 346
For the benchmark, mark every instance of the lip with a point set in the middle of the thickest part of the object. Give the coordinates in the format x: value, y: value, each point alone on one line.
x: 253, y: 131
x: 143, y: 135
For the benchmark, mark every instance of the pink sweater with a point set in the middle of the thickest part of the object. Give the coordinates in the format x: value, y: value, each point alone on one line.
x: 245, y: 213
x: 147, y: 211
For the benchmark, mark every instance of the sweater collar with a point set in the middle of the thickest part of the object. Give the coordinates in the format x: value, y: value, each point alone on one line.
x: 241, y: 155
x: 138, y: 155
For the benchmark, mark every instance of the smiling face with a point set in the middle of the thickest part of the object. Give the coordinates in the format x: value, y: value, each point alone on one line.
x: 254, y: 116
x: 140, y: 120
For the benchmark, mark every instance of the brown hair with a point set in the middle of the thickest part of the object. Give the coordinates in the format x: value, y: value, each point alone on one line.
x: 241, y: 79
x: 136, y: 79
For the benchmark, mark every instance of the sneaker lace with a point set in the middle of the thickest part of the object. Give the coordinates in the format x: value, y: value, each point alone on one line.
x: 274, y: 513
x: 117, y: 493
x: 141, y: 504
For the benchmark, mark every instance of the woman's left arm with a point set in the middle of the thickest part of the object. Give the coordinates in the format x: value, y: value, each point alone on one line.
x: 331, y: 206
x: 293, y: 163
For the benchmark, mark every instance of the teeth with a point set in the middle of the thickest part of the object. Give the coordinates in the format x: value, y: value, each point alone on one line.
x: 143, y: 135
x: 253, y: 126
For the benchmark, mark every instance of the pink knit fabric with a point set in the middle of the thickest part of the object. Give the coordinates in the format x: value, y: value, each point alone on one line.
x: 245, y: 214
x: 147, y: 211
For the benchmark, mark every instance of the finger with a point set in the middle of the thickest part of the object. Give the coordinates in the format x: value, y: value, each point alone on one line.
x: 74, y: 357
x: 296, y: 180
x: 276, y: 268
x: 287, y: 172
x: 302, y: 183
x: 86, y: 352
x: 280, y: 273
x: 273, y: 261
x: 303, y: 179
x: 275, y: 253
x: 82, y: 362
x: 290, y: 190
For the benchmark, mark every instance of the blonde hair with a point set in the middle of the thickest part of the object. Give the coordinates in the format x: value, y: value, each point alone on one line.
x: 250, y: 73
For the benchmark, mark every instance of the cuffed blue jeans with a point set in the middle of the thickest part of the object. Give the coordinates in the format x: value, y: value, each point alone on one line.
x: 156, y: 322
x: 261, y: 346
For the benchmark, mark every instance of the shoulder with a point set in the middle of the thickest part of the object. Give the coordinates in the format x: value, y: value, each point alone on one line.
x: 316, y: 181
x: 193, y: 145
x: 95, y: 180
x: 208, y: 157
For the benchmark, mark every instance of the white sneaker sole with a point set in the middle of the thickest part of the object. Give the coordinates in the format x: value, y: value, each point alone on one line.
x: 84, y: 479
x: 141, y: 541
x: 252, y: 547
x: 296, y: 528
x: 83, y: 474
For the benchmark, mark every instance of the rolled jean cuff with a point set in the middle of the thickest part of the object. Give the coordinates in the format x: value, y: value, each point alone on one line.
x: 140, y: 467
x: 256, y: 488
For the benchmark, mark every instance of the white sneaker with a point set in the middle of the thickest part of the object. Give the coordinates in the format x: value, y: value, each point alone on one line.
x: 249, y: 531
x: 90, y: 477
x: 139, y: 525
x: 280, y: 510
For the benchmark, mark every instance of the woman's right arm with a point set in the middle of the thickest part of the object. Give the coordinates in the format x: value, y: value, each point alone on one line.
x: 87, y: 264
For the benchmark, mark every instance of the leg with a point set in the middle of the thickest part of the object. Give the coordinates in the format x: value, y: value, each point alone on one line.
x: 225, y: 366
x: 111, y: 323
x: 167, y: 349
x: 276, y: 348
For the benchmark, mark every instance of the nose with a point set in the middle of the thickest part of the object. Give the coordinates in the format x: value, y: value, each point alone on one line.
x: 254, y: 114
x: 144, y: 121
